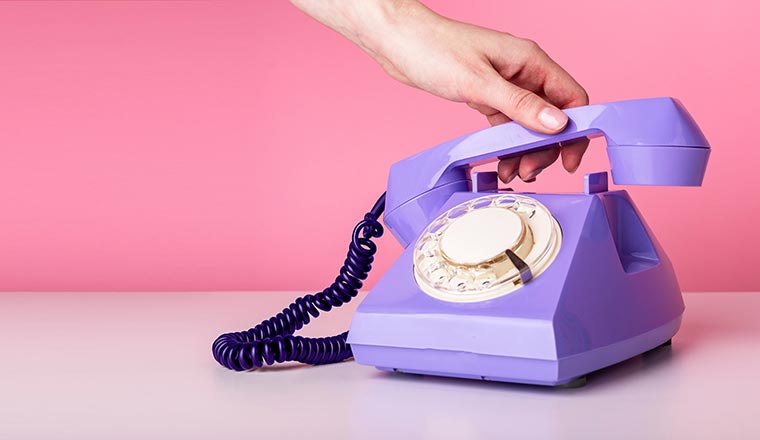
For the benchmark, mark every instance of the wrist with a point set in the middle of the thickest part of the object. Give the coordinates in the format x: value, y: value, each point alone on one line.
x: 370, y: 24
x: 375, y: 21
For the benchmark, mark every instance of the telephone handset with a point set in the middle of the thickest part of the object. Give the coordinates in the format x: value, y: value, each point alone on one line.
x: 531, y: 288
x: 649, y: 142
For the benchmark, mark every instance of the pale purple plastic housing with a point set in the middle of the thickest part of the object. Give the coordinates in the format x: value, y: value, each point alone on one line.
x: 649, y: 142
x: 610, y: 294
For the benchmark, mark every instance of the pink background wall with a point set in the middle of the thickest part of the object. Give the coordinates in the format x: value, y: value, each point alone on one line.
x: 221, y: 145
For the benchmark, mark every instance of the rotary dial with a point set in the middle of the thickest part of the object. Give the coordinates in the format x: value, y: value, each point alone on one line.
x: 485, y: 248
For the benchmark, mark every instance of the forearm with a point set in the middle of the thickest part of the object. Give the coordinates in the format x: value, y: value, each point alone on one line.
x: 363, y: 22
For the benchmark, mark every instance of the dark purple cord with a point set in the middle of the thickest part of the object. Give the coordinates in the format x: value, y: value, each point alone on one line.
x: 274, y: 341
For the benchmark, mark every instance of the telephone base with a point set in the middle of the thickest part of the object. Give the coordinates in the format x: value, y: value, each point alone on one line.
x: 525, y: 287
x: 547, y: 372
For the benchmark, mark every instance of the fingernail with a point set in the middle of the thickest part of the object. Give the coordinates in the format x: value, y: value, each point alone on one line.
x: 532, y: 175
x: 552, y: 118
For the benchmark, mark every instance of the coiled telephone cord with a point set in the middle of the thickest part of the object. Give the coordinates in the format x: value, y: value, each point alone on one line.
x: 273, y: 340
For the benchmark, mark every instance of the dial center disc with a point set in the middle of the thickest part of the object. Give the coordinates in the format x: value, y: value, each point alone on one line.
x: 481, y: 235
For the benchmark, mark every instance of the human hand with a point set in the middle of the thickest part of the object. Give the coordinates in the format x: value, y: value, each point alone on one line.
x: 501, y: 76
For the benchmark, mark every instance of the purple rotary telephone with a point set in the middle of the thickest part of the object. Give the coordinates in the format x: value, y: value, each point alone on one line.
x: 498, y: 285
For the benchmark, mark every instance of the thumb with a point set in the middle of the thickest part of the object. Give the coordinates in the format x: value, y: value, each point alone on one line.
x: 523, y: 106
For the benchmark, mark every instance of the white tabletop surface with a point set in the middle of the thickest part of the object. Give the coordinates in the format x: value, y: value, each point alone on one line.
x: 138, y: 365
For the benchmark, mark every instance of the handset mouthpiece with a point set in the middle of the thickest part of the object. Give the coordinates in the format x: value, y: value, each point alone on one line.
x: 658, y: 165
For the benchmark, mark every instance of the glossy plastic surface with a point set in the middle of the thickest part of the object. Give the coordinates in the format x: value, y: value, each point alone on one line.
x: 595, y: 183
x: 649, y: 142
x: 601, y: 301
x: 610, y: 293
